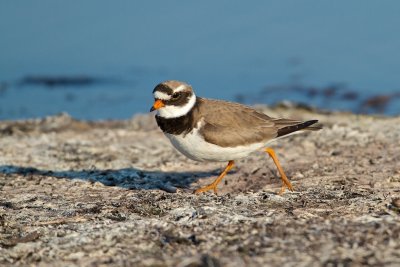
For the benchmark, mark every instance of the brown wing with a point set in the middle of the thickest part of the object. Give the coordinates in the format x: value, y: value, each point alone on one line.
x: 230, y: 124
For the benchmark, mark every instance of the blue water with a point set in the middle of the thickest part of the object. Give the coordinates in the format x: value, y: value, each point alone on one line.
x: 223, y: 48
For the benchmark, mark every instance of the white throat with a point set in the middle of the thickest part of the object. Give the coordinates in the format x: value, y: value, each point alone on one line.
x: 171, y: 111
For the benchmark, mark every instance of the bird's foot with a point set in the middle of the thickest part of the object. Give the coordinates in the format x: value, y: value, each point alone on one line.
x: 209, y: 187
x: 213, y: 185
x: 283, y: 188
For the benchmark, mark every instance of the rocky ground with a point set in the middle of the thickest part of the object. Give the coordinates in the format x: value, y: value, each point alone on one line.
x: 116, y: 193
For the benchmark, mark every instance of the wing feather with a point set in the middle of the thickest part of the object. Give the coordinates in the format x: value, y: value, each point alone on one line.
x: 230, y: 124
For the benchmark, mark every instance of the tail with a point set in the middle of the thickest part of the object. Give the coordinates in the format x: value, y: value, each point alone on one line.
x: 286, y: 127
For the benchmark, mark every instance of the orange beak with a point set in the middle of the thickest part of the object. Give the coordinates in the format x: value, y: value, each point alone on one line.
x: 157, y: 104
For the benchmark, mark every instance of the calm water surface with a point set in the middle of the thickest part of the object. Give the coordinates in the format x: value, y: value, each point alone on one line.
x: 332, y: 54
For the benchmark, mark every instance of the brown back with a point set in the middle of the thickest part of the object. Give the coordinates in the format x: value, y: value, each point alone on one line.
x: 231, y: 124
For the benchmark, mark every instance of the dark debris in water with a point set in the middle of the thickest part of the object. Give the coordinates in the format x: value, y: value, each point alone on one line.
x: 62, y: 81
x: 332, y: 97
x: 378, y: 103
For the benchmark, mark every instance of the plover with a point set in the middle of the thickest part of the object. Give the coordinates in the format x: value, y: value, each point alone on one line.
x: 214, y: 130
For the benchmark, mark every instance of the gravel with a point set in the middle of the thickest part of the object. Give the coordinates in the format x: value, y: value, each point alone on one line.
x: 77, y: 193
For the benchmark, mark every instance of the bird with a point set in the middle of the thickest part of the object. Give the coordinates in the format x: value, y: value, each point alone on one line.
x: 211, y: 130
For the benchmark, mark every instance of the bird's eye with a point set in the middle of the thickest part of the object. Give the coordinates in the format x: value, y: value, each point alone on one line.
x: 176, y: 95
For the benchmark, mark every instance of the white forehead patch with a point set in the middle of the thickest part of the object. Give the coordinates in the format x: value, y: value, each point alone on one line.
x: 180, y: 88
x: 161, y: 95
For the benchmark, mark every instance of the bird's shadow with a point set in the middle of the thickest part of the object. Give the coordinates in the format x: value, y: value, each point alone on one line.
x: 129, y: 178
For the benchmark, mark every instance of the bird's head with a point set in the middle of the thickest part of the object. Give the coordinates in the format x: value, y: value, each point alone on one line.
x: 173, y: 99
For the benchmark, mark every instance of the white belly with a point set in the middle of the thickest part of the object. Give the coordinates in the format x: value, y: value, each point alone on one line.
x: 196, y: 148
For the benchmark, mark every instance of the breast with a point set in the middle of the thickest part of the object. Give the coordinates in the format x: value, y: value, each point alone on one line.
x: 193, y: 146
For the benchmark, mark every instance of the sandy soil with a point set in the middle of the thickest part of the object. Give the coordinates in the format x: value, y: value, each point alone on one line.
x: 78, y: 193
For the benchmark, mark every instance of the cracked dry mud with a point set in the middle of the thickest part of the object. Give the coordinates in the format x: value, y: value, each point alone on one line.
x: 117, y: 193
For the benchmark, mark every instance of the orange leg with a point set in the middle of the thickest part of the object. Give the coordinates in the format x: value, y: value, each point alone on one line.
x: 285, y: 180
x: 213, y: 185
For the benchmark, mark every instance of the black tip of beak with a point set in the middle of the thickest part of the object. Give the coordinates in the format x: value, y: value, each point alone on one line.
x: 152, y: 109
